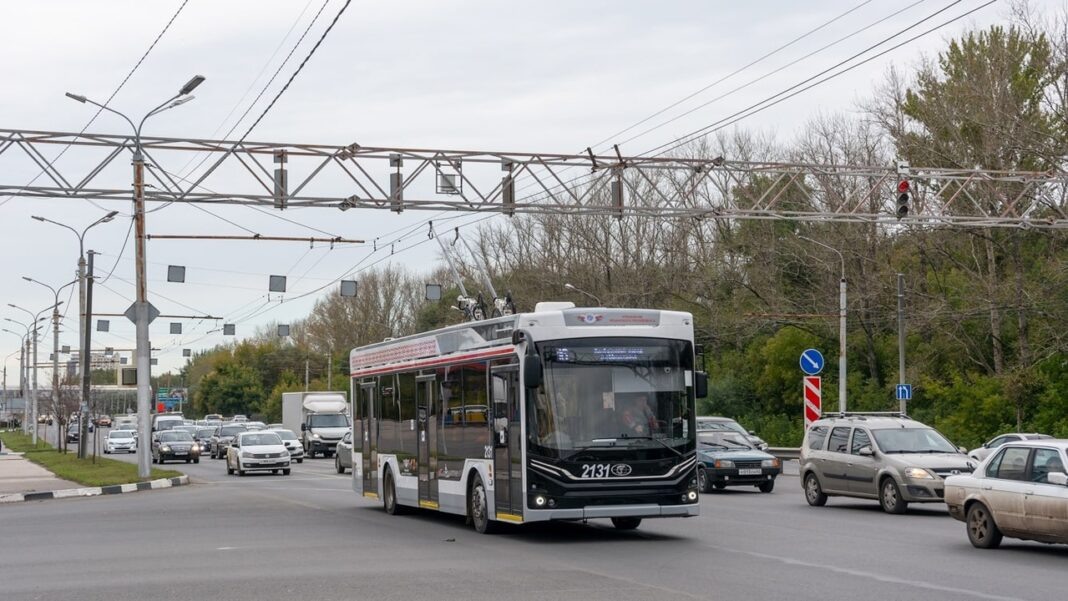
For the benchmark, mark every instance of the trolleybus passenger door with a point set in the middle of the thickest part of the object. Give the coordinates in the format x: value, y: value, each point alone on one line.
x: 426, y: 391
x: 369, y: 445
x: 507, y: 454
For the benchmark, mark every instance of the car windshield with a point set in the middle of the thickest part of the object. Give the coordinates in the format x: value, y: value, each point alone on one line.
x: 912, y: 440
x: 286, y: 434
x: 629, y: 392
x: 260, y: 439
x: 231, y: 430
x: 175, y: 436
x: 204, y: 433
x: 121, y: 434
x: 722, y: 440
x: 329, y: 420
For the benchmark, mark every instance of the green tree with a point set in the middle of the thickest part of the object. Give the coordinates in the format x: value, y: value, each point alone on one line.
x: 231, y: 389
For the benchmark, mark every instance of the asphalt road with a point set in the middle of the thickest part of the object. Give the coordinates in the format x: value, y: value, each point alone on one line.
x: 308, y: 536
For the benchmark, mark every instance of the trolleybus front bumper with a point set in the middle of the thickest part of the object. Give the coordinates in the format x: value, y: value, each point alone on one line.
x: 612, y: 511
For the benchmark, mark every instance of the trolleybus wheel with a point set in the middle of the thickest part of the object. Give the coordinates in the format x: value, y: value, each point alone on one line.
x: 478, y: 507
x: 389, y: 494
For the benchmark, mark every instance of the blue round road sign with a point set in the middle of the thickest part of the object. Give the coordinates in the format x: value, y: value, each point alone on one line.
x: 812, y: 361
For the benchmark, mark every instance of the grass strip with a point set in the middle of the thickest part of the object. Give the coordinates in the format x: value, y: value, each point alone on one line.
x: 105, y: 472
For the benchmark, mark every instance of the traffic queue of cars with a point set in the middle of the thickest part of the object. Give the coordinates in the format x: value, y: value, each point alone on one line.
x: 1019, y: 487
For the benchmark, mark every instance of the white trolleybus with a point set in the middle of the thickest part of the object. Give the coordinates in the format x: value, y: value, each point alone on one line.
x: 560, y: 414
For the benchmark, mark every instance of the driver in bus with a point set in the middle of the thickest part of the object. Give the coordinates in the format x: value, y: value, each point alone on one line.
x: 638, y: 418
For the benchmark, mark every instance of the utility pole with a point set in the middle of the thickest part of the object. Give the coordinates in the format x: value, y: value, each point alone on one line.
x: 901, y: 337
x: 306, y: 374
x: 26, y: 387
x: 33, y: 408
x: 87, y: 318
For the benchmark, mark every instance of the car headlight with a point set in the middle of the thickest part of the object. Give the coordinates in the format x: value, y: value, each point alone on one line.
x: 724, y: 463
x: 770, y: 462
x: 246, y: 454
x: 918, y: 473
x: 165, y: 449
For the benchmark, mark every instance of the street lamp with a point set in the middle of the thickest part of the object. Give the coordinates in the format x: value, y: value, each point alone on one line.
x: 55, y: 356
x: 141, y: 305
x: 581, y: 291
x: 841, y: 324
x: 36, y: 318
x: 22, y: 373
x: 83, y: 355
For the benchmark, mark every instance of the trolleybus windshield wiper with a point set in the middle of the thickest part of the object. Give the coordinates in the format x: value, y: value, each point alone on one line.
x: 662, y: 443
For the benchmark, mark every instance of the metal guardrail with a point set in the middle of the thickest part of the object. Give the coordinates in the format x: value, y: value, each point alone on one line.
x: 785, y: 453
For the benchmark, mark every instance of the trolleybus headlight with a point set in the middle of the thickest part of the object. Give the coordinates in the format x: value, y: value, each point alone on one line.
x: 690, y: 496
x: 540, y: 501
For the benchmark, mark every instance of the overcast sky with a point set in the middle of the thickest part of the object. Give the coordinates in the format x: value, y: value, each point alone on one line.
x: 552, y: 76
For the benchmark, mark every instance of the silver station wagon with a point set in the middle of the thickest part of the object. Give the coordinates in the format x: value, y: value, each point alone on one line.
x: 883, y: 456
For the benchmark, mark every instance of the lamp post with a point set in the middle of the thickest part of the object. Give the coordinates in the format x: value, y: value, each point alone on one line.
x: 22, y: 372
x: 581, y: 291
x: 55, y: 344
x: 841, y: 325
x: 83, y: 353
x: 36, y: 318
x: 4, y: 406
x: 141, y: 305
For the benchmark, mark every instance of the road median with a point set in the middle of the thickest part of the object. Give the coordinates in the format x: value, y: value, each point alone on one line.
x: 89, y: 472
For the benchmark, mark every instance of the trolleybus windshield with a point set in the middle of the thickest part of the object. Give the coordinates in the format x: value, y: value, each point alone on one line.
x: 613, y: 393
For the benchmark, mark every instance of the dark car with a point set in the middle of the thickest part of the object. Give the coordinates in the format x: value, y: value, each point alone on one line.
x: 343, y: 456
x: 175, y: 444
x: 203, y: 438
x: 729, y: 459
x: 222, y: 438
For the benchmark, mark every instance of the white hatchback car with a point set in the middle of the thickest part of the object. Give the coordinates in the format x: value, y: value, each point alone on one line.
x: 1021, y: 491
x: 257, y: 451
x: 121, y: 441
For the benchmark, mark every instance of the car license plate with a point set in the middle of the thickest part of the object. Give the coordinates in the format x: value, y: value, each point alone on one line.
x: 749, y: 472
x: 181, y: 453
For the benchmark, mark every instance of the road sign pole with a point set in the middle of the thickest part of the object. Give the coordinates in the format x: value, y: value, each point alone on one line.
x: 813, y: 399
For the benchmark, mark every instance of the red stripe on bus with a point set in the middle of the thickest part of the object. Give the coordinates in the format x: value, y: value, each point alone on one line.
x: 433, y: 361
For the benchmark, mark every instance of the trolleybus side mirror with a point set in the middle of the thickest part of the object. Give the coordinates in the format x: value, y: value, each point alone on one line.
x: 532, y: 371
x: 700, y: 383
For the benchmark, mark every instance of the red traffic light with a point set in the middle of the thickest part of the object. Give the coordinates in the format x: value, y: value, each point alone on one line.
x: 903, y: 186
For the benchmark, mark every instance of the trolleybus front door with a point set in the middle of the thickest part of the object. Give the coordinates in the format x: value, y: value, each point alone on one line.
x: 369, y: 445
x: 425, y: 391
x: 507, y: 454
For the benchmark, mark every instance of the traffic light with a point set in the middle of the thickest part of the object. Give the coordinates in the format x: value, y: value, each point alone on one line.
x: 904, y: 195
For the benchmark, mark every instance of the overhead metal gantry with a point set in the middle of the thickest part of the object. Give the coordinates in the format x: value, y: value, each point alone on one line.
x: 283, y: 175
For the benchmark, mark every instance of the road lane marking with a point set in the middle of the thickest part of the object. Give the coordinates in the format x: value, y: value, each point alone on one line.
x: 871, y: 575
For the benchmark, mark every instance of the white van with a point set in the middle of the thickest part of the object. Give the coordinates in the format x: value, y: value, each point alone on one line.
x: 166, y: 421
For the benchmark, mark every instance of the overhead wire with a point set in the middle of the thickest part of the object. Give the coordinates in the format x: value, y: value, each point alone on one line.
x: 736, y: 72
x: 785, y: 94
x: 106, y: 103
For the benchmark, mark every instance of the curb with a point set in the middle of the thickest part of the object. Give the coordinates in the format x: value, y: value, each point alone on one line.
x: 95, y: 490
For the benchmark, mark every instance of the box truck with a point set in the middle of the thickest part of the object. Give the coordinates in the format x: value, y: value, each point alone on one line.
x: 320, y: 419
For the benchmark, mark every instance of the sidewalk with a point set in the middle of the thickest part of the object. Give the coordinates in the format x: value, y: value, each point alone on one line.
x: 19, y: 475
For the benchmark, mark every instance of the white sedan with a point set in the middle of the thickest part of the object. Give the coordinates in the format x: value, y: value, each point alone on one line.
x: 121, y: 441
x: 1020, y: 491
x: 257, y: 451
